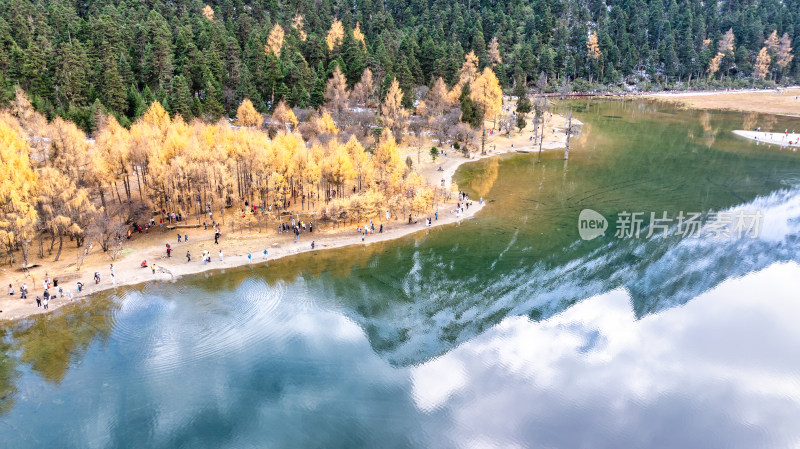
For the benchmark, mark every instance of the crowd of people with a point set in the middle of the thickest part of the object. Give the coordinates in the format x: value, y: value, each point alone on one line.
x: 293, y: 225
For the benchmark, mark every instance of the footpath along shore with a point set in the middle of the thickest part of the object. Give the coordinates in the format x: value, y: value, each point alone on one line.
x: 237, y: 246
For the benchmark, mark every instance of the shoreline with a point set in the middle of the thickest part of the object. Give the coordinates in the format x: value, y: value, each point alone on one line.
x: 236, y: 246
x: 128, y: 272
x: 770, y: 138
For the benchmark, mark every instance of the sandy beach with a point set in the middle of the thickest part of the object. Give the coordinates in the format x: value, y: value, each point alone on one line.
x: 237, y: 245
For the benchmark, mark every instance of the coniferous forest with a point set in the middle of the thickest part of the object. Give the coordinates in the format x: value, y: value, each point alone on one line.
x: 75, y: 59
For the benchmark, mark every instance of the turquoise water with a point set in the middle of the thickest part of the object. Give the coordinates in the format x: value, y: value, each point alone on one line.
x: 504, y: 331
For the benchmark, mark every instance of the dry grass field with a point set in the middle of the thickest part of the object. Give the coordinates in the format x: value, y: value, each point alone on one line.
x: 786, y: 102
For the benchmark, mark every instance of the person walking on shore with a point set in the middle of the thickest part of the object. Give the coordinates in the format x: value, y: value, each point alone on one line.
x: 169, y: 250
x: 38, y: 302
x: 265, y: 254
x: 10, y: 290
x: 45, y: 302
x: 220, y: 255
x: 250, y: 258
x: 188, y: 257
x: 216, y: 237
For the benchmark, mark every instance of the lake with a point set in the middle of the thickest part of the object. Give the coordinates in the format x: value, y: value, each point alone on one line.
x: 508, y: 330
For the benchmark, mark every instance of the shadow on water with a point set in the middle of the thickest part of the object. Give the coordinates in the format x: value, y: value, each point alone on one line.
x: 420, y: 296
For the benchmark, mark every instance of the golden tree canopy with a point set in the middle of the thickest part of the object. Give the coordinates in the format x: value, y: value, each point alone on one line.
x: 358, y: 35
x: 362, y: 91
x: 274, y: 41
x: 284, y: 114
x: 784, y: 53
x: 393, y: 113
x: 713, y: 65
x: 772, y: 43
x: 18, y: 185
x: 247, y: 114
x: 762, y: 64
x: 486, y: 92
x: 494, y: 52
x: 727, y: 42
x: 297, y: 24
x: 208, y: 12
x: 593, y: 47
x: 335, y: 35
x: 469, y: 69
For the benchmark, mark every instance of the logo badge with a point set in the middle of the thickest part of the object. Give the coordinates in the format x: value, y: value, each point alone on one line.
x: 591, y: 224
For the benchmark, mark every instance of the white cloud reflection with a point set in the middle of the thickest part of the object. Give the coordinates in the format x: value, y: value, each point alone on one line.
x: 720, y: 371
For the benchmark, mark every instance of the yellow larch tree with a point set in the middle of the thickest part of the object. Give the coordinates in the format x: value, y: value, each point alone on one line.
x: 284, y: 115
x: 437, y: 100
x: 593, y: 47
x: 784, y: 53
x: 362, y: 91
x: 69, y: 151
x: 335, y: 35
x: 274, y: 41
x: 18, y: 189
x: 359, y: 161
x: 66, y: 209
x: 393, y: 113
x: 727, y: 42
x: 486, y: 92
x: 772, y: 43
x: 386, y: 162
x: 358, y: 35
x: 494, y: 52
x: 337, y: 167
x: 247, y: 115
x: 713, y: 65
x: 762, y: 64
x: 297, y: 24
x: 208, y: 12
x: 336, y: 93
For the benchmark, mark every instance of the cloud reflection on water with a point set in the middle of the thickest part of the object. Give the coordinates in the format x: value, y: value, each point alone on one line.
x: 716, y: 372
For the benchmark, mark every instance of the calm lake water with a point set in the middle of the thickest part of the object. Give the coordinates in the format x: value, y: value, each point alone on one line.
x: 505, y: 331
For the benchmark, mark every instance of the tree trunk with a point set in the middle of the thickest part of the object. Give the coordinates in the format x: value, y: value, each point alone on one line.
x: 60, y: 245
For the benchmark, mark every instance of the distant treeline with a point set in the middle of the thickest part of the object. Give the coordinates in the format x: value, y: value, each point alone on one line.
x: 78, y: 58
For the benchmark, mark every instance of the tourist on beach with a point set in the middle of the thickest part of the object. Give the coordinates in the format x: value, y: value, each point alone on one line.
x: 169, y: 250
x: 10, y: 290
x: 96, y: 277
x: 38, y: 301
x: 23, y: 291
x: 220, y: 255
x: 186, y: 238
x: 381, y: 230
x: 45, y: 302
x: 265, y: 254
x: 188, y: 257
x: 153, y: 268
x: 216, y: 237
x: 249, y: 258
x: 436, y: 214
x: 80, y: 286
x: 205, y: 226
x: 179, y: 238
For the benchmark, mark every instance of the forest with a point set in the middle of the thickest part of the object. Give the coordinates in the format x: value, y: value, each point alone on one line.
x: 199, y: 59
x: 337, y: 164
